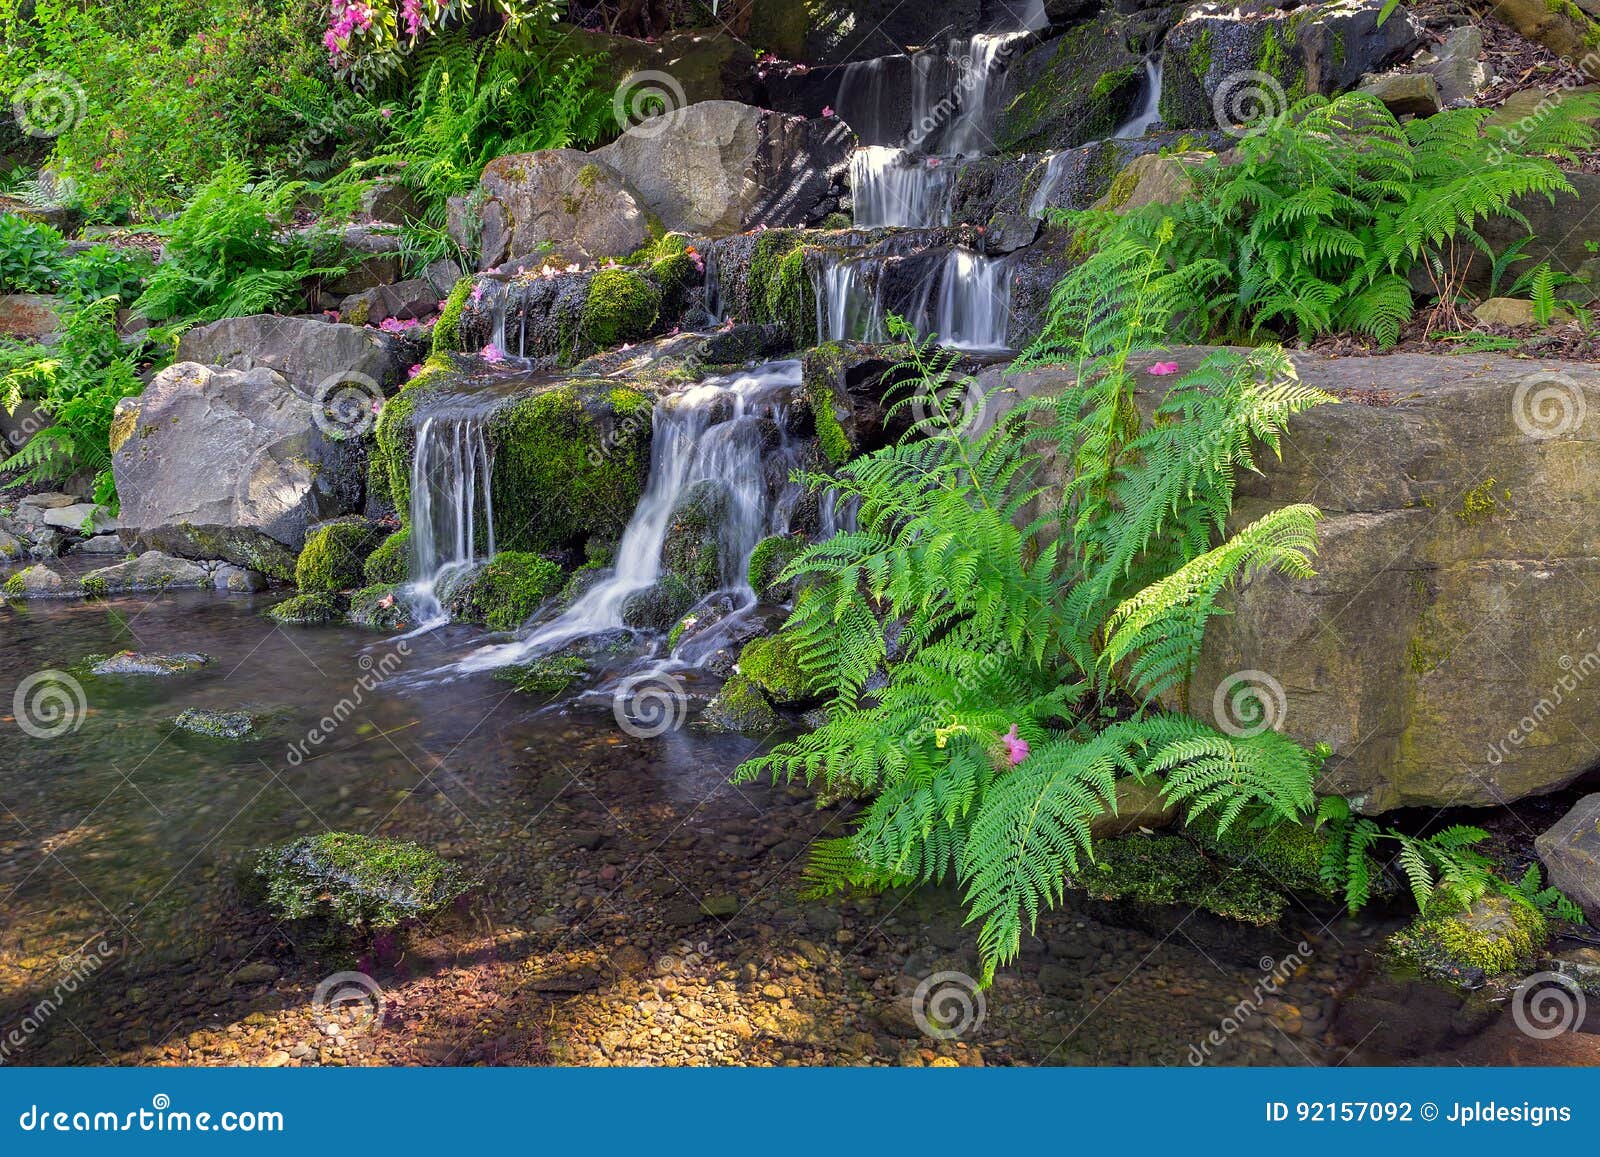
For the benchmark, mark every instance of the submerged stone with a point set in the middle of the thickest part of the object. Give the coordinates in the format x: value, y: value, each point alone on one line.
x: 740, y: 706
x: 1172, y: 870
x: 216, y: 724
x: 148, y: 663
x: 360, y: 881
x: 550, y: 675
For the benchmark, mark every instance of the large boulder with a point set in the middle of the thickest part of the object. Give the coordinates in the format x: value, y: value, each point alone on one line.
x: 578, y: 206
x: 29, y: 315
x: 229, y: 464
x: 1224, y: 69
x: 1440, y: 649
x: 1571, y: 855
x: 721, y: 167
x: 311, y: 355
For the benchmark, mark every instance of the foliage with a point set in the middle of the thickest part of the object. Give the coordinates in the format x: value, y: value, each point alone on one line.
x: 231, y: 252
x: 367, y: 41
x: 989, y: 683
x: 1316, y: 221
x: 30, y: 255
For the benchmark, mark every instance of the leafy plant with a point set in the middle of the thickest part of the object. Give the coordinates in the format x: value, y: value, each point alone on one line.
x: 1316, y: 222
x: 30, y: 255
x: 990, y: 681
x: 233, y: 251
x: 104, y: 271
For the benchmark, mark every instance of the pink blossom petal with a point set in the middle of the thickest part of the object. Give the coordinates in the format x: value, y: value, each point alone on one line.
x: 1162, y: 369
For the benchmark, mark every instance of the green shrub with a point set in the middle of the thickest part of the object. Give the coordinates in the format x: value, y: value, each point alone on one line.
x: 30, y: 255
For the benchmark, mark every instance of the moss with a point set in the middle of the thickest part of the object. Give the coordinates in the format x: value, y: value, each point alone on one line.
x: 358, y: 313
x: 1494, y: 936
x: 832, y: 439
x: 361, y: 881
x: 621, y: 305
x: 780, y: 289
x: 773, y: 665
x: 1172, y: 870
x: 447, y: 330
x: 389, y: 562
x: 1109, y: 82
x: 836, y: 221
x: 1479, y: 503
x: 392, y: 433
x: 379, y: 607
x: 740, y: 706
x: 569, y: 465
x: 506, y: 590
x: 14, y: 588
x: 548, y: 676
x: 675, y: 636
x: 692, y: 548
x: 1290, y: 854
x: 659, y: 605
x: 308, y: 610
x: 1122, y: 187
x: 94, y: 586
x: 334, y: 555
x: 767, y: 562
x: 378, y: 492
x: 233, y: 725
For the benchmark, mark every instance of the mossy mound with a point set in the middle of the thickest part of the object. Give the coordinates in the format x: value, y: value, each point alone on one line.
x: 389, y: 563
x: 692, y: 549
x: 548, y: 676
x: 740, y: 706
x: 1291, y: 854
x: 1492, y: 937
x: 506, y: 590
x: 779, y: 287
x: 379, y: 607
x: 773, y: 665
x: 360, y: 881
x: 447, y: 330
x: 767, y: 562
x: 314, y: 609
x: 1172, y: 870
x: 1070, y: 90
x: 658, y: 606
x: 232, y: 725
x: 621, y: 305
x: 335, y: 554
x: 570, y: 464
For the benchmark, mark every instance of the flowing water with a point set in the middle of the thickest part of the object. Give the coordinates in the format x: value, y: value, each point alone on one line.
x: 974, y: 311
x: 452, y: 512
x: 1144, y: 116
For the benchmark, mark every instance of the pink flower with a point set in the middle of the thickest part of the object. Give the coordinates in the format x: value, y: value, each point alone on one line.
x: 395, y: 325
x: 331, y: 314
x: 411, y: 13
x: 827, y: 110
x: 1016, y: 747
x: 1162, y: 369
x: 492, y: 353
x: 386, y: 113
x: 477, y: 292
x: 414, y: 371
x: 934, y: 162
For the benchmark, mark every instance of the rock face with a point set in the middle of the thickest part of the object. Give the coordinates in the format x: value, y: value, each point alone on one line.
x: 1440, y: 650
x: 721, y: 167
x: 231, y: 465
x: 1222, y: 69
x: 1070, y: 90
x: 28, y: 315
x: 1571, y: 855
x: 308, y: 353
x: 580, y: 206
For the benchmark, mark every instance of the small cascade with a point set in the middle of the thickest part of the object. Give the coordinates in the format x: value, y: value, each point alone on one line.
x: 720, y: 430
x: 861, y: 102
x: 980, y: 61
x: 1148, y: 111
x: 849, y: 307
x: 1054, y: 166
x: 892, y: 187
x: 974, y: 308
x: 452, y: 513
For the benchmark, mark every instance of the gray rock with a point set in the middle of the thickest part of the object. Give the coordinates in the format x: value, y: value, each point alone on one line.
x: 721, y: 167
x: 151, y: 571
x: 1571, y: 855
x: 238, y: 580
x: 11, y: 547
x: 38, y: 582
x: 1071, y: 90
x: 100, y: 544
x: 150, y: 663
x: 391, y: 203
x: 381, y: 264
x: 232, y: 465
x: 50, y: 501
x: 29, y: 315
x: 1457, y: 68
x: 78, y: 516
x: 313, y: 355
x: 442, y: 275
x: 1406, y: 93
x: 409, y: 300
x: 577, y: 205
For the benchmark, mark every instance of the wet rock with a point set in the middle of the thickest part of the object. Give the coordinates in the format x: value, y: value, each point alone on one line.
x: 1070, y: 90
x: 558, y: 203
x: 238, y: 580
x: 216, y: 724
x: 151, y: 571
x: 98, y: 544
x: 359, y: 880
x: 312, y: 609
x: 381, y: 607
x: 1570, y: 852
x: 692, y: 548
x: 150, y: 663
x: 658, y: 606
x: 740, y: 707
x: 38, y: 582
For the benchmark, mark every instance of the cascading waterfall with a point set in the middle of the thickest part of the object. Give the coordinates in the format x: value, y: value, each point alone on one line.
x: 719, y: 430
x: 891, y: 187
x: 452, y: 513
x: 848, y: 306
x: 979, y: 61
x: 974, y: 310
x: 1139, y: 122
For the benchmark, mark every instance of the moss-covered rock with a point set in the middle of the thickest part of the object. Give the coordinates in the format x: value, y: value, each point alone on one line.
x: 1290, y: 853
x: 389, y: 563
x: 570, y: 464
x: 335, y: 555
x: 506, y: 590
x: 622, y: 305
x: 393, y: 434
x: 740, y: 706
x: 779, y: 287
x: 232, y: 725
x: 1070, y: 90
x: 658, y: 606
x: 378, y: 607
x: 359, y: 881
x: 549, y: 676
x: 447, y: 330
x: 767, y: 562
x: 1493, y: 937
x: 149, y: 663
x: 308, y: 610
x: 773, y: 665
x: 692, y: 548
x: 1172, y: 870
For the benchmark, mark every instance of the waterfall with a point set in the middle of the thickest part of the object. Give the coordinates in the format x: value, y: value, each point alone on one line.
x: 452, y: 513
x: 719, y: 430
x: 1149, y: 110
x: 890, y: 187
x: 974, y: 311
x: 1139, y: 122
x: 1054, y: 164
x: 848, y: 306
x: 978, y: 60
